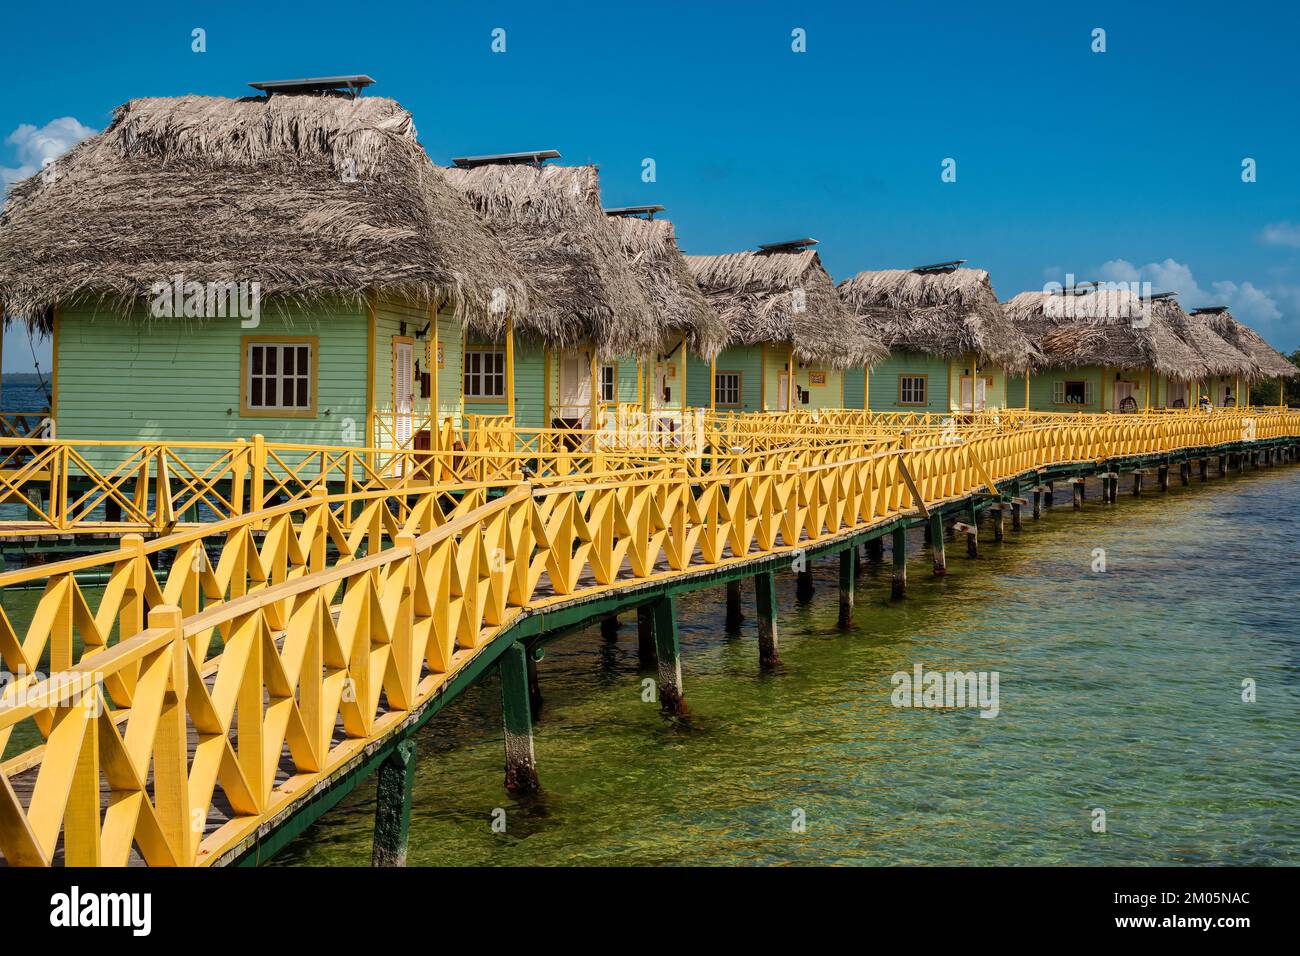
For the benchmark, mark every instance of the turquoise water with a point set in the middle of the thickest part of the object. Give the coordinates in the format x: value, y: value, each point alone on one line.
x: 1118, y: 690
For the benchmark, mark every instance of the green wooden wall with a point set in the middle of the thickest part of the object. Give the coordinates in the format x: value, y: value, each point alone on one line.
x: 140, y: 378
x: 884, y: 383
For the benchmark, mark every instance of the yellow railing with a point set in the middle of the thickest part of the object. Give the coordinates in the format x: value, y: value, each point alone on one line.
x: 188, y: 707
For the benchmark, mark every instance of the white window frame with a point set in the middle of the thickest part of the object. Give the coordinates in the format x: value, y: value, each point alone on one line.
x: 304, y: 352
x: 607, y: 380
x: 722, y: 388
x: 1058, y: 391
x: 924, y: 381
x: 483, y: 377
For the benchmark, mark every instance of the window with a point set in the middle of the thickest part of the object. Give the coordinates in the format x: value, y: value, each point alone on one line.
x: 726, y: 388
x: 485, y: 374
x: 608, y: 383
x: 279, y: 377
x: 912, y: 390
x: 1075, y: 392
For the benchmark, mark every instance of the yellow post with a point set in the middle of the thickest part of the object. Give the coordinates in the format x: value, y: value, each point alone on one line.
x: 713, y: 383
x: 431, y: 359
x: 682, y: 361
x: 54, y: 369
x: 789, y: 382
x: 546, y: 388
x: 370, y: 371
x: 595, y: 384
x: 510, y: 366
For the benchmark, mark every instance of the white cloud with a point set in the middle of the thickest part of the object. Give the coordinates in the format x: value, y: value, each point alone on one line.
x: 1280, y: 234
x: 33, y: 145
x: 1248, y: 302
x: 1265, y: 309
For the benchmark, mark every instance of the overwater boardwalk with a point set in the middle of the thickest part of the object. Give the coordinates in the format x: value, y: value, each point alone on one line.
x: 283, y: 655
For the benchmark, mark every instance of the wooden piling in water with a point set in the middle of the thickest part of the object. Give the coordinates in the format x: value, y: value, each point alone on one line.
x: 668, y: 652
x: 1185, y: 472
x: 645, y: 634
x: 1162, y: 477
x: 765, y: 601
x: 534, y: 684
x: 1137, y: 484
x: 1016, y: 524
x: 998, y: 522
x: 846, y: 586
x: 735, y: 616
x: 1038, y: 503
x: 393, y: 789
x: 1047, y: 496
x: 1205, y: 469
x: 521, y: 764
x: 803, y: 586
x: 876, y: 550
x: 937, y: 548
x: 1077, y: 500
x: 898, y: 586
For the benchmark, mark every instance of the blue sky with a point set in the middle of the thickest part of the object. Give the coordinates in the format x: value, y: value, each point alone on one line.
x: 1120, y: 164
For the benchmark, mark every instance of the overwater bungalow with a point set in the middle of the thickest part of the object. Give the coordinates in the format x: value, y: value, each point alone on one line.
x: 951, y: 348
x: 692, y: 330
x: 290, y: 264
x: 1227, y: 369
x: 581, y: 348
x: 785, y: 324
x: 1269, y: 363
x: 1105, y: 349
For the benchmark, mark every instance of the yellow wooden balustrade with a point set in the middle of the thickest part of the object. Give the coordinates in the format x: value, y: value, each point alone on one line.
x: 190, y: 705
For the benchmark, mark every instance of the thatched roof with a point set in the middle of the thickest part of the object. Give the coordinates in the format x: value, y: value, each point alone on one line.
x: 308, y: 195
x: 785, y: 296
x: 661, y: 270
x: 1112, y: 327
x: 1269, y: 362
x: 948, y: 313
x: 1220, y: 357
x: 550, y: 220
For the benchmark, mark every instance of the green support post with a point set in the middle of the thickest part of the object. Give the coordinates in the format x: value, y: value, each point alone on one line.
x: 846, y: 586
x: 937, y: 549
x: 765, y: 599
x: 803, y: 585
x: 645, y: 635
x: 521, y: 765
x: 671, y: 700
x: 898, y: 587
x: 735, y: 617
x: 393, y: 789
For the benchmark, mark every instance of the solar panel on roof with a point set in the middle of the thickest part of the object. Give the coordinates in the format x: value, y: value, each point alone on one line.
x: 940, y: 266
x: 1210, y: 310
x: 647, y: 211
x: 790, y: 245
x: 532, y: 157
x: 315, y: 84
